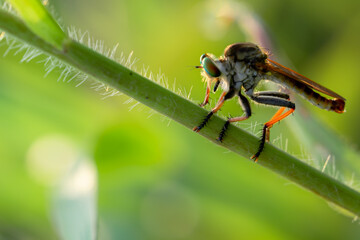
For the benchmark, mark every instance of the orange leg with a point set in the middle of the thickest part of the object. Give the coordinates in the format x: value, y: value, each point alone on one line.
x: 219, y: 103
x: 276, y: 118
x: 278, y: 113
x: 206, y: 100
x: 214, y: 110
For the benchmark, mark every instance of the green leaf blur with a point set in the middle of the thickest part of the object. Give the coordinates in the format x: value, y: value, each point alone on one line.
x: 38, y: 19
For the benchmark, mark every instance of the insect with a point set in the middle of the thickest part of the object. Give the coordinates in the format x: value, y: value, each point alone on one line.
x: 241, y: 68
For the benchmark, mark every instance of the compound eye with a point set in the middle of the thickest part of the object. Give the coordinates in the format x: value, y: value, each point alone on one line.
x: 210, y: 67
x: 202, y: 58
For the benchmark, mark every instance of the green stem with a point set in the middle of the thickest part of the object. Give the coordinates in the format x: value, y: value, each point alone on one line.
x: 187, y: 113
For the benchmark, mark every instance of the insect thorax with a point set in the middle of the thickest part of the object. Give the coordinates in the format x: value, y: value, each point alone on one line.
x: 236, y: 75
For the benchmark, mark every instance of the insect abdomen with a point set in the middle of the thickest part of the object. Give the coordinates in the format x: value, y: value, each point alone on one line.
x: 335, y: 105
x: 338, y: 105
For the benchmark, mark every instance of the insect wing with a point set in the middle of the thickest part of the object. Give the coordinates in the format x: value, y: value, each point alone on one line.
x: 277, y: 67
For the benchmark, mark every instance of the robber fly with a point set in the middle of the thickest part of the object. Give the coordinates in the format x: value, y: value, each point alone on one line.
x: 241, y: 68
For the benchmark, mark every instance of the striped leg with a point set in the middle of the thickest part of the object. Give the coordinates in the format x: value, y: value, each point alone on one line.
x: 214, y: 110
x: 244, y: 103
x: 279, y: 115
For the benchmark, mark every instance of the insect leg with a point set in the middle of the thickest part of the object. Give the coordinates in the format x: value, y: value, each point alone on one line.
x: 217, y: 83
x: 206, y: 100
x: 245, y: 105
x: 273, y: 94
x: 279, y: 115
x: 224, y: 96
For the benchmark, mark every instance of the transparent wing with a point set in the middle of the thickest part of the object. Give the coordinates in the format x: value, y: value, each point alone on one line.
x: 277, y: 67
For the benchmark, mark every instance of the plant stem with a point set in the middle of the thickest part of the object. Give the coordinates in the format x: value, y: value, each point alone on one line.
x: 187, y: 113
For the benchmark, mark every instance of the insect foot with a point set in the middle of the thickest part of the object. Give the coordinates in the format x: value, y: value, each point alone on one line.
x: 223, y: 131
x: 203, y: 123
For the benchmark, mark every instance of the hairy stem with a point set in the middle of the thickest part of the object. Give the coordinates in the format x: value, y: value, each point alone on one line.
x: 187, y: 113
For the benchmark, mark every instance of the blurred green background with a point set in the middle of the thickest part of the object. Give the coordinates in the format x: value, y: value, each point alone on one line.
x: 74, y: 163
